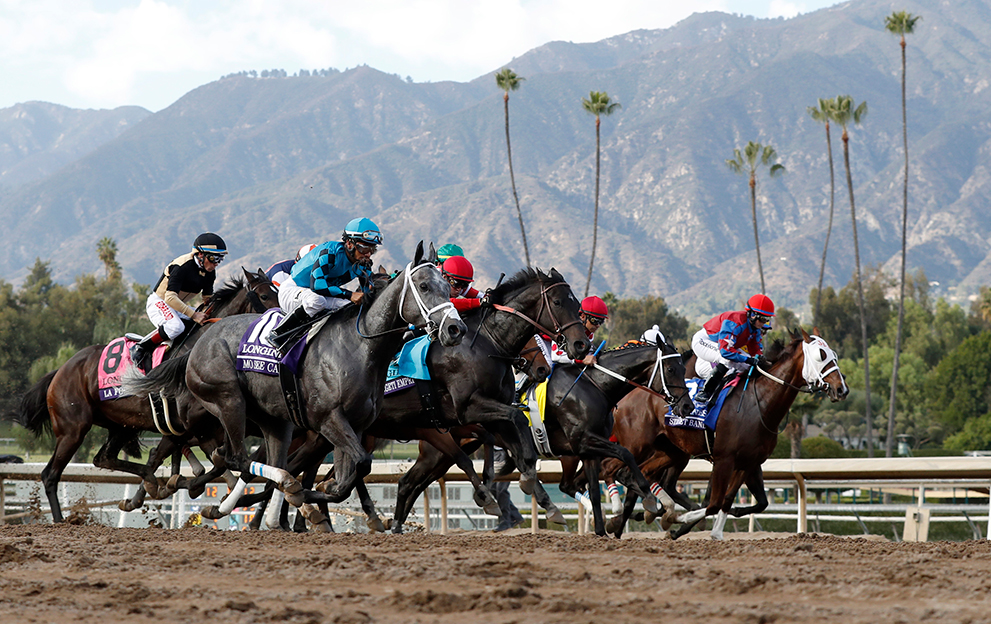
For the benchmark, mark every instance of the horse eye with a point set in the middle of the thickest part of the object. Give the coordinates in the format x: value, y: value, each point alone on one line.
x: 423, y: 287
x: 557, y: 302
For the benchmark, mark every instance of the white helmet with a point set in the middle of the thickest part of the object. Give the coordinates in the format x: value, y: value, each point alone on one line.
x: 653, y: 336
x: 305, y: 249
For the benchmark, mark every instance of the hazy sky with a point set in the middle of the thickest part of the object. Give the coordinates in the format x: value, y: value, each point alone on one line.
x: 108, y: 53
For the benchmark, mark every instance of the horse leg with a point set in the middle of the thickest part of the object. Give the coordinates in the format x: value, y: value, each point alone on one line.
x: 428, y: 468
x: 755, y: 483
x: 736, y: 480
x: 68, y: 439
x: 155, y: 458
x: 592, y: 474
x: 719, y: 486
x: 446, y: 444
x: 595, y: 445
x: 617, y: 523
x: 351, y: 461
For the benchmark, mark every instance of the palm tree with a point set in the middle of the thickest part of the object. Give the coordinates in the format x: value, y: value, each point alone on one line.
x: 106, y: 251
x: 598, y: 104
x: 844, y: 114
x: 507, y: 80
x: 755, y: 155
x: 900, y: 23
x: 822, y: 114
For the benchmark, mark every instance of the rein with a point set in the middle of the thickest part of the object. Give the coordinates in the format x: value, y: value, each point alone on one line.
x: 558, y: 331
x: 666, y: 396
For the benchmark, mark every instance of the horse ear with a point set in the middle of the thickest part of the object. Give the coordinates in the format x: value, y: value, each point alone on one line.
x: 555, y: 275
x: 247, y: 274
x: 381, y: 270
x: 418, y: 256
x: 805, y: 336
x: 431, y: 254
x: 815, y: 331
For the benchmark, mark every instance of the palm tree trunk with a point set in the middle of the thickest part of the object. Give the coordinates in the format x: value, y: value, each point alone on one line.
x: 860, y: 299
x: 512, y: 179
x: 753, y: 215
x: 595, y: 219
x: 829, y: 228
x: 889, y: 443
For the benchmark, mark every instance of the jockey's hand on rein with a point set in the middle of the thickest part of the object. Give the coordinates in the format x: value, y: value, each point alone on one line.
x: 487, y: 299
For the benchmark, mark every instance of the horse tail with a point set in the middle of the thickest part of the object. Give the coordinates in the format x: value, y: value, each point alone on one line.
x: 32, y: 413
x: 169, y: 377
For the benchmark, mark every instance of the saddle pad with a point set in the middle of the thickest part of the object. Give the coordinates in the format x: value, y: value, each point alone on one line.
x: 536, y: 403
x: 115, y: 360
x: 411, y: 361
x: 255, y: 354
x: 701, y: 417
x: 398, y: 385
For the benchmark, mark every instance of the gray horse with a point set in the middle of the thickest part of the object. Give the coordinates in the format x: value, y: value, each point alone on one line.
x: 341, y: 380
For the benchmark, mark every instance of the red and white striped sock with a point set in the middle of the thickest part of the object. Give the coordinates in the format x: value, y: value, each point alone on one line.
x: 656, y: 489
x: 613, y: 491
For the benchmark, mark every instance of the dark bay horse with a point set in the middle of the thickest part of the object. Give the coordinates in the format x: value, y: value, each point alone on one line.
x: 67, y: 400
x: 744, y: 438
x: 341, y: 381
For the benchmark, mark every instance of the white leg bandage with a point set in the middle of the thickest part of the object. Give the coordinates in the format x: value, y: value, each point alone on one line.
x: 717, y: 526
x: 274, y: 509
x: 230, y: 502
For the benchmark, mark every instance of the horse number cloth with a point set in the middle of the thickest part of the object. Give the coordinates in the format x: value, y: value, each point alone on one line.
x: 702, y: 417
x: 408, y: 365
x: 255, y: 354
x: 536, y: 403
x: 115, y: 360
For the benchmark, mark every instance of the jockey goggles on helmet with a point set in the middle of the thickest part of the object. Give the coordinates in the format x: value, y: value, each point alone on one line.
x: 214, y: 258
x: 594, y: 320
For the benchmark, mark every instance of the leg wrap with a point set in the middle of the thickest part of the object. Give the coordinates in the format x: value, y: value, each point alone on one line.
x: 229, y: 503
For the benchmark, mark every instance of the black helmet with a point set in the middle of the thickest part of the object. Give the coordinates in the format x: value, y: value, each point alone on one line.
x: 210, y: 243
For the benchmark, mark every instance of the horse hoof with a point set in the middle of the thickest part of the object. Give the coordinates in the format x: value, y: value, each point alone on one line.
x: 174, y: 483
x: 296, y: 499
x: 527, y: 484
x: 151, y: 487
x: 397, y: 529
x: 555, y: 516
x: 668, y: 519
x: 614, y: 525
x: 321, y: 527
x: 649, y: 517
x: 323, y: 486
x: 492, y: 509
x: 375, y: 525
x: 290, y: 485
x: 650, y: 505
x: 387, y: 523
x: 126, y: 505
x: 211, y: 512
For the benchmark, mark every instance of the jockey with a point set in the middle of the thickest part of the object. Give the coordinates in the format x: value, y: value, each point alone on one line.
x: 186, y: 276
x: 460, y: 274
x: 653, y: 336
x: 593, y: 313
x: 448, y: 251
x: 730, y: 340
x: 279, y: 272
x: 318, y: 278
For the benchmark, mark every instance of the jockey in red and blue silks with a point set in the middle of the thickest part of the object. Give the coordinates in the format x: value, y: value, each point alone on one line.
x: 460, y: 274
x: 730, y: 340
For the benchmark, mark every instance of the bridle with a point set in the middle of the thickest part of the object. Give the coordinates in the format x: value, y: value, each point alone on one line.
x: 558, y: 331
x: 813, y: 372
x: 425, y: 313
x: 658, y: 367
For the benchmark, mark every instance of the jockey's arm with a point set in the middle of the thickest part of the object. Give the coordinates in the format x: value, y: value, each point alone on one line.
x: 319, y: 283
x: 729, y: 333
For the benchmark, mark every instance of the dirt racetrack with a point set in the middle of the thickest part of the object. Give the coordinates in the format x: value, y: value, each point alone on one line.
x: 99, y: 574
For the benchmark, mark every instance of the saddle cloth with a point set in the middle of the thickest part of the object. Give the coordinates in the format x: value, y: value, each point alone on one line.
x: 533, y: 407
x: 408, y: 365
x: 255, y: 354
x: 115, y: 360
x: 702, y: 417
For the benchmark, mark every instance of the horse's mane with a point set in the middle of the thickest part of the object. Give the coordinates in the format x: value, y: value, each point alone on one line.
x: 227, y: 291
x: 778, y: 349
x: 522, y: 279
x: 630, y: 344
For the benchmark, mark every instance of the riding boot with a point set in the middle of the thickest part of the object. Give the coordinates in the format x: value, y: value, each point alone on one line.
x: 141, y: 351
x: 284, y: 335
x: 712, y: 385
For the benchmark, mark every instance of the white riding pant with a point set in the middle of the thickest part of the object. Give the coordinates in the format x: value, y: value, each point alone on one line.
x: 292, y: 295
x: 163, y: 316
x: 707, y: 354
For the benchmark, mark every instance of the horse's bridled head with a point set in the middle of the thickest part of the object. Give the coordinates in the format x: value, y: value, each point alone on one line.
x: 452, y: 331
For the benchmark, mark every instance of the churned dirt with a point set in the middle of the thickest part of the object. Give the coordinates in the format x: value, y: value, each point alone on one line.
x: 99, y: 574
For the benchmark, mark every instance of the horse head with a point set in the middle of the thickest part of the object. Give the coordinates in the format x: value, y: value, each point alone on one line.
x: 820, y: 367
x: 559, y: 310
x: 259, y: 285
x: 426, y: 300
x: 669, y: 379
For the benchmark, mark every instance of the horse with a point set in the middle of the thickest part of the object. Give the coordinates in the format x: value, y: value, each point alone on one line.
x: 472, y: 384
x: 342, y: 381
x: 67, y: 399
x: 744, y: 437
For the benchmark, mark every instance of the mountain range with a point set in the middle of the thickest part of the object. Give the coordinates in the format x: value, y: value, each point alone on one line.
x: 272, y: 163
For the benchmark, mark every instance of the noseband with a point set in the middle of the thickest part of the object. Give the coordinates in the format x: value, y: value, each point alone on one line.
x: 558, y: 331
x: 425, y: 312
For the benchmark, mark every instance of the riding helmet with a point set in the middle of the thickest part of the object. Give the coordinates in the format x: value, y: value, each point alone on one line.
x: 448, y: 251
x: 459, y: 268
x: 594, y: 306
x: 305, y: 249
x: 210, y: 243
x: 761, y: 304
x: 363, y: 230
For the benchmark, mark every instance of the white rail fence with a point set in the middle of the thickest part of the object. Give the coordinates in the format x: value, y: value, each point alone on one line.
x: 448, y: 503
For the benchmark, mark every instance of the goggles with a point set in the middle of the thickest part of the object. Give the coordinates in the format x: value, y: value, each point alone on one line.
x: 457, y: 283
x: 365, y: 250
x: 372, y: 237
x: 594, y: 320
x: 214, y: 258
x: 760, y: 319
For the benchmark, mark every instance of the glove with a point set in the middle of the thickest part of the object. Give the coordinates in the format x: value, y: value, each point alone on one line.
x: 753, y: 361
x: 487, y: 299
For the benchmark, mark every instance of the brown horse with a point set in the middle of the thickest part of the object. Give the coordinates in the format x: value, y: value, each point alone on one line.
x: 744, y: 437
x: 68, y: 401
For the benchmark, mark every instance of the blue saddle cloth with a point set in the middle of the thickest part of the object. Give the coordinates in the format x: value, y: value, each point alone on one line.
x: 411, y: 361
x: 702, y: 417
